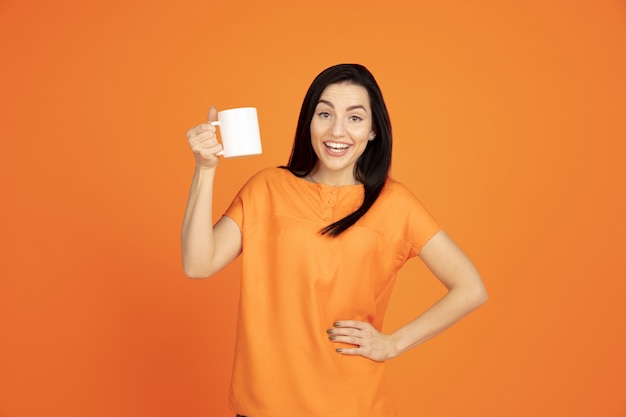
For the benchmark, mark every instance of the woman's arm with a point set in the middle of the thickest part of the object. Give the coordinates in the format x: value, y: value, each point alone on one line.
x: 466, y: 292
x: 205, y: 248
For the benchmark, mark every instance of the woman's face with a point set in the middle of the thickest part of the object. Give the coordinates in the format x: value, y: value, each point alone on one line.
x: 340, y: 130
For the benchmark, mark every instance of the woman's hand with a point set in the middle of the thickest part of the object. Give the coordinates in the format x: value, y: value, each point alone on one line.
x: 203, y: 142
x: 369, y: 342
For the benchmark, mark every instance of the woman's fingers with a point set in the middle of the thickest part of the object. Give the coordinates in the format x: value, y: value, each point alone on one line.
x: 350, y: 331
x: 203, y: 130
x: 202, y: 140
x: 365, y: 339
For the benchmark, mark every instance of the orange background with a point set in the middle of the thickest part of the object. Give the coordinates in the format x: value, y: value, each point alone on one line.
x: 509, y: 122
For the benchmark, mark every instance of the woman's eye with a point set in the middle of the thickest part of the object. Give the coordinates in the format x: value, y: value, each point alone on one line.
x: 324, y: 115
x: 355, y: 118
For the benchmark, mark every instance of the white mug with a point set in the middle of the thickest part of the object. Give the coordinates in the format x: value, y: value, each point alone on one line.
x: 239, y: 129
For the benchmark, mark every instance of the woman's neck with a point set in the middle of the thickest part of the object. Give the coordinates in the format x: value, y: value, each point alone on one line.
x: 332, y: 179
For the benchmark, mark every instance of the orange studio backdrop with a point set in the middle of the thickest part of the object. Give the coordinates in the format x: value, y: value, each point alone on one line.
x: 508, y: 124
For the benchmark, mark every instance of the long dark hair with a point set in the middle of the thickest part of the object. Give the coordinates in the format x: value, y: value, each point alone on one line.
x: 372, y: 168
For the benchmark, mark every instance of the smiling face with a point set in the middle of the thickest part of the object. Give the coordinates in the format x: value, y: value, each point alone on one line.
x: 340, y: 130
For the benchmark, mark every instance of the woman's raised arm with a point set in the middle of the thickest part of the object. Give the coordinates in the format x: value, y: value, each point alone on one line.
x: 206, y: 248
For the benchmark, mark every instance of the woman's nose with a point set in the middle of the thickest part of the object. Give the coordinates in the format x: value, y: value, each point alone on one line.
x: 338, y: 128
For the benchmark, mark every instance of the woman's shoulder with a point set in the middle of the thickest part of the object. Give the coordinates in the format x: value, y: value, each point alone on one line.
x: 268, y: 174
x: 268, y: 178
x: 406, y: 207
x: 400, y: 197
x: 396, y: 190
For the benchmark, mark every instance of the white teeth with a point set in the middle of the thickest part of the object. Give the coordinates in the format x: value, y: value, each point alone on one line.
x: 336, y: 145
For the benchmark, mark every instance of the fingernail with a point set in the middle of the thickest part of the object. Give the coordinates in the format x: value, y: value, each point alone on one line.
x: 336, y: 324
x: 329, y: 331
x: 332, y: 337
x: 338, y: 350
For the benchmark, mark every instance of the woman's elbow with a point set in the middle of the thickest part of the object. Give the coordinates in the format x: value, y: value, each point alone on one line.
x: 479, y: 295
x: 195, y: 272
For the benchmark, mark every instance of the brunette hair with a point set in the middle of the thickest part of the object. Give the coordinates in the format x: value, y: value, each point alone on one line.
x: 372, y: 168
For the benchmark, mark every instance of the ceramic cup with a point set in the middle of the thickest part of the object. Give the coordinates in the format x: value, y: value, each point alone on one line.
x: 239, y: 130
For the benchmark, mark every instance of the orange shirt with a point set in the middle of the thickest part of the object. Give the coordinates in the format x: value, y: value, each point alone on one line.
x: 297, y: 282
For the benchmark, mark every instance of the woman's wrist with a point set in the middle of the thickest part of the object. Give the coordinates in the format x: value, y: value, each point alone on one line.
x: 399, y: 342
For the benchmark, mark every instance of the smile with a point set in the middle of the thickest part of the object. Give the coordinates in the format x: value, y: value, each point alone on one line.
x: 336, y: 147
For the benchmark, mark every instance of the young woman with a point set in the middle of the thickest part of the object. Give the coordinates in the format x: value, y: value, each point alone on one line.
x: 322, y: 241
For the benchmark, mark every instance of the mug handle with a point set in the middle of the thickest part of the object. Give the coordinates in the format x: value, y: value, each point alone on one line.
x: 217, y: 123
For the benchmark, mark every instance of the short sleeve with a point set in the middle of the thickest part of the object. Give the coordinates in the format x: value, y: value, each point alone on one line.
x: 410, y: 219
x: 235, y: 210
x: 249, y: 200
x: 421, y: 226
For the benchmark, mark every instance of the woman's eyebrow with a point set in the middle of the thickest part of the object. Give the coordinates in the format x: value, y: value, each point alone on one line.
x: 332, y: 106
x: 328, y: 103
